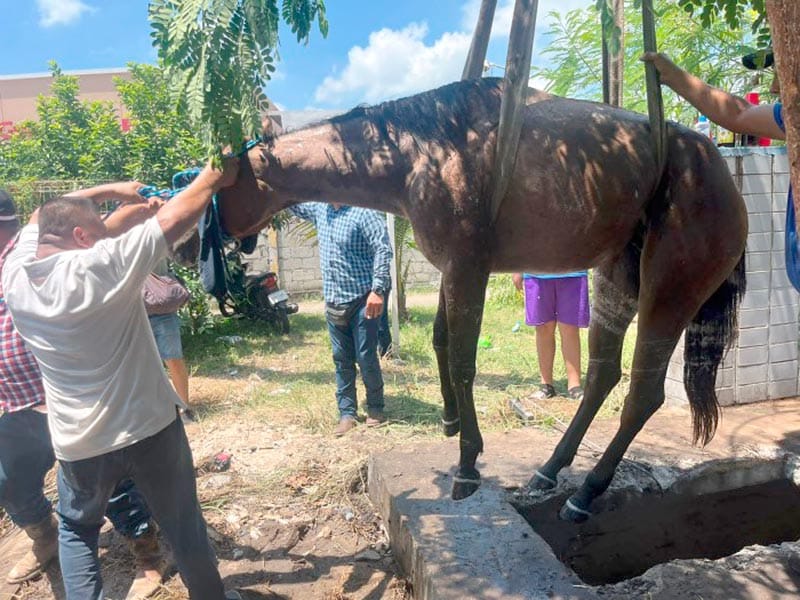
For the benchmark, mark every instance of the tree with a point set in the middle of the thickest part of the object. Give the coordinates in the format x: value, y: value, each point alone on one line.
x: 72, y: 139
x: 574, y: 68
x: 161, y: 139
x: 219, y: 55
x: 783, y: 18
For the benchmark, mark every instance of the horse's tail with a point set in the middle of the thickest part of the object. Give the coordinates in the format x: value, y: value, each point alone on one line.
x: 708, y: 336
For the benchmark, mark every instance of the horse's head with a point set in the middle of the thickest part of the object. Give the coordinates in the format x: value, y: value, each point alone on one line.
x: 249, y: 205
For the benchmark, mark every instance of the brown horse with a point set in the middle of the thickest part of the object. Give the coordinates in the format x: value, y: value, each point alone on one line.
x: 586, y: 193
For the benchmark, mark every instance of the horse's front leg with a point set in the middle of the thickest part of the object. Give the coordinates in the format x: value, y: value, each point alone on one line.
x: 464, y: 294
x: 451, y: 423
x: 613, y: 310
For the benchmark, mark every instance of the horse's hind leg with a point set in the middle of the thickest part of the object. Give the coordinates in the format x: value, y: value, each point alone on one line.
x: 451, y: 423
x: 614, y: 306
x: 675, y: 282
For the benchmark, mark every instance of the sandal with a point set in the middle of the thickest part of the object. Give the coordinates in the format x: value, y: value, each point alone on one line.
x: 575, y: 393
x: 545, y: 392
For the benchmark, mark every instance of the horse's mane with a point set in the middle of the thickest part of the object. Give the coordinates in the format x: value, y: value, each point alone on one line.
x: 442, y: 114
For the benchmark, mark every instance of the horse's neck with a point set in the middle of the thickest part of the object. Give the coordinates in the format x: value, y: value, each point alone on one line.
x: 324, y: 163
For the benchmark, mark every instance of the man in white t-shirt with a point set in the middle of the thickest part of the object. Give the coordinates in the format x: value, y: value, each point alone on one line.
x: 75, y: 296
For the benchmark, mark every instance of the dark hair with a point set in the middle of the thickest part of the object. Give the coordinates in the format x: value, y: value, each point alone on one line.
x: 760, y: 59
x: 59, y: 216
x: 7, y: 209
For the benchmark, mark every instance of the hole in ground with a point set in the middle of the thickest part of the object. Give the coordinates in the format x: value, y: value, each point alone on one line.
x: 638, y: 531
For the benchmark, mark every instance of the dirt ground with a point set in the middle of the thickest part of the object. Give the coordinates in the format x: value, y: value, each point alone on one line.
x: 289, y: 516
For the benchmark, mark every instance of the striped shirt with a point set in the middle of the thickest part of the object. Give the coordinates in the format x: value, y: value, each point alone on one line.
x: 354, y: 250
x: 20, y: 379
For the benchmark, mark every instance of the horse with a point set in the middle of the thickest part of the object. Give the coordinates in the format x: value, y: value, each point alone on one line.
x: 586, y: 192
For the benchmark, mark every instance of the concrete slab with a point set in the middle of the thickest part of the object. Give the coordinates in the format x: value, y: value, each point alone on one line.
x: 482, y: 548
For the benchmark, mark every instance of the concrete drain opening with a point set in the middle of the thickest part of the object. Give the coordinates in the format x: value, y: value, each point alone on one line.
x: 710, y: 512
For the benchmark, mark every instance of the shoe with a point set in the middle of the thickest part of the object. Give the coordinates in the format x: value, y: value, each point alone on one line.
x: 345, y: 425
x: 545, y: 392
x: 375, y: 418
x: 45, y: 548
x: 575, y: 393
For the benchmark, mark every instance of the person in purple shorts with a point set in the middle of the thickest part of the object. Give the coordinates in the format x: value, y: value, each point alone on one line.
x: 557, y: 300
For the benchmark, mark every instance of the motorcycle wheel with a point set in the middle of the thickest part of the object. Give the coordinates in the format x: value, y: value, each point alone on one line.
x: 281, y: 319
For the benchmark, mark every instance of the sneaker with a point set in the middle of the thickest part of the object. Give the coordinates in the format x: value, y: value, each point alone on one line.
x: 575, y: 393
x: 345, y: 425
x: 545, y: 392
x: 375, y: 418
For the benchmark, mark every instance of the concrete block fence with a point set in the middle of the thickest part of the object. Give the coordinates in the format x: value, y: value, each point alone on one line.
x: 297, y: 261
x: 763, y: 363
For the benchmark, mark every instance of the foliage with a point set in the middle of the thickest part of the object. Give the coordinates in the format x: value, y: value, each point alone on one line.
x: 219, y: 55
x: 196, y: 316
x: 736, y: 13
x: 83, y: 140
x: 501, y: 292
x: 161, y: 140
x: 72, y: 139
x: 575, y: 65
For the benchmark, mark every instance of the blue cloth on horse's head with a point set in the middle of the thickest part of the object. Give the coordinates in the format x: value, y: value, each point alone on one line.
x: 791, y: 248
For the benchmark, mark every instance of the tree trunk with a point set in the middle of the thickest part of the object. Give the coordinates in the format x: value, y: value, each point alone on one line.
x: 473, y: 69
x: 617, y: 63
x: 784, y: 20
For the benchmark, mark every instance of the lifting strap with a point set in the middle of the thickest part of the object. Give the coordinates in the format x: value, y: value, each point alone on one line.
x: 655, y: 104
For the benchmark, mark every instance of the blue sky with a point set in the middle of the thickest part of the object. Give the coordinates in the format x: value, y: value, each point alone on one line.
x: 375, y: 50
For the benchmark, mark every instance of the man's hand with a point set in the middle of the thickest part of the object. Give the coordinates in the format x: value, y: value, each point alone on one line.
x: 665, y: 67
x: 517, y: 279
x: 217, y: 179
x: 374, y: 306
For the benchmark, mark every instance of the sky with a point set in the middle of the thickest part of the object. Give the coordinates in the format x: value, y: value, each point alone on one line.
x: 375, y: 49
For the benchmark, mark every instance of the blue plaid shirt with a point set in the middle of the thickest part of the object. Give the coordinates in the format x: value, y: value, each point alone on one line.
x: 354, y: 250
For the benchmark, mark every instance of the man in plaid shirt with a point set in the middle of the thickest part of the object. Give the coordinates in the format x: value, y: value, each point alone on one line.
x: 26, y: 454
x: 354, y: 254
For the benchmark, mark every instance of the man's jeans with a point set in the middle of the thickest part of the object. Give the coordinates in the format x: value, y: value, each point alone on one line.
x: 357, y: 343
x: 161, y: 466
x: 26, y: 455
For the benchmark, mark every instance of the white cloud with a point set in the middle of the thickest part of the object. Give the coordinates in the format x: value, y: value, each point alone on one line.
x: 60, y: 12
x: 400, y: 62
x: 395, y: 63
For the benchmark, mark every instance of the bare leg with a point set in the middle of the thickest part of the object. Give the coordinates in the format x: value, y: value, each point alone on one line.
x: 571, y: 351
x: 546, y: 350
x: 179, y: 375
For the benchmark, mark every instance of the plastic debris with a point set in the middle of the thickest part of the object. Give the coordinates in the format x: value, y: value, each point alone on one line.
x: 230, y: 339
x: 485, y: 342
x: 516, y: 327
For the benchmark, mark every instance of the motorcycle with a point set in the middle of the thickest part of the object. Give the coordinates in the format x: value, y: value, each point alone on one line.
x: 255, y: 296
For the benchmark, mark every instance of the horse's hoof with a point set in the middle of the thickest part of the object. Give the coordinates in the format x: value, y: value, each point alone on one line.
x: 572, y: 512
x: 451, y: 428
x: 541, y: 482
x: 464, y: 487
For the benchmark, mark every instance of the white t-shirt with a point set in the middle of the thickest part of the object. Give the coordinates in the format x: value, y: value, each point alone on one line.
x: 81, y: 313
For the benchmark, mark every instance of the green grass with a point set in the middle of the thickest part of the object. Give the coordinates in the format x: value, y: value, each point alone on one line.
x: 290, y: 378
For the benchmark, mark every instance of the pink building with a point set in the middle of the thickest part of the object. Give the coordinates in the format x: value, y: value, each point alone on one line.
x: 18, y: 93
